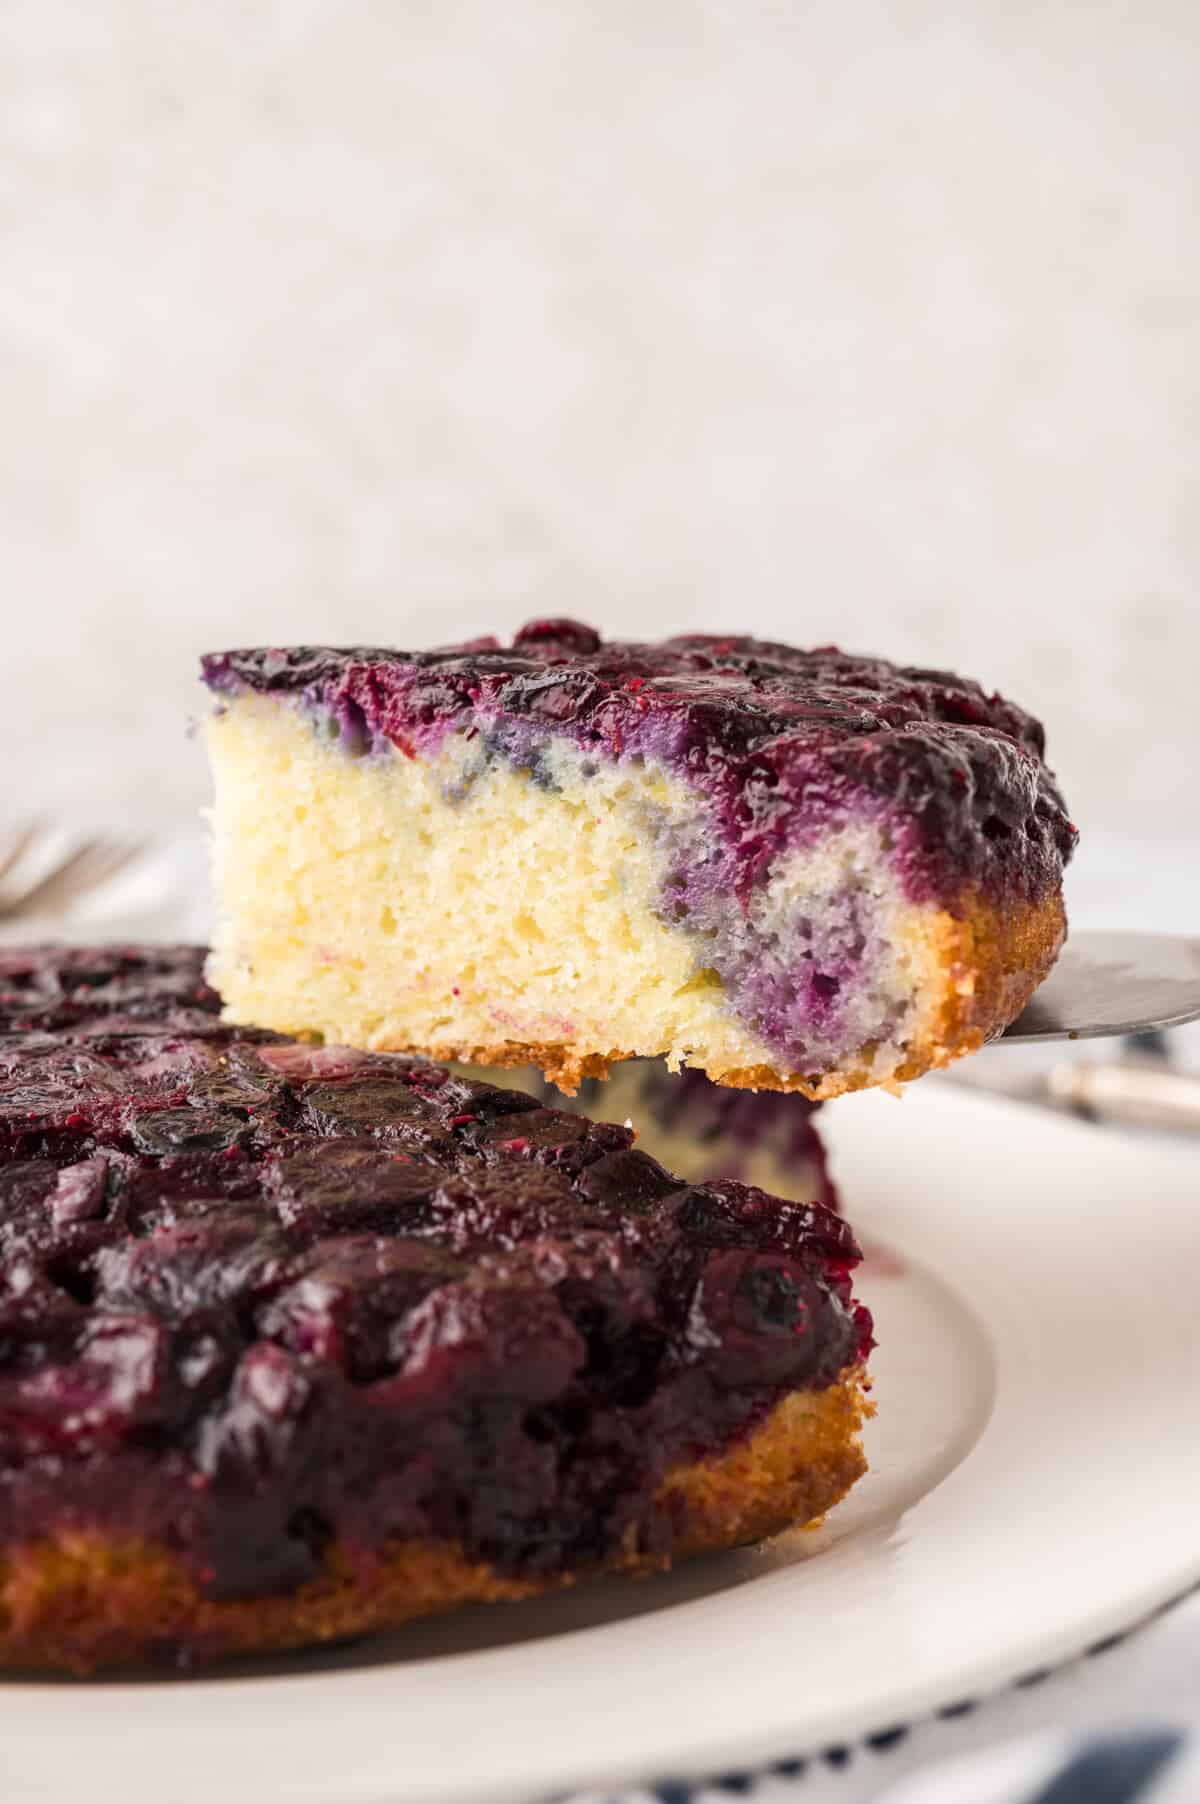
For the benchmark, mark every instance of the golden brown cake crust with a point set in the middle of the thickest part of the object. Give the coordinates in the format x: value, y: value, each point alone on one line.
x: 990, y: 958
x: 80, y: 1600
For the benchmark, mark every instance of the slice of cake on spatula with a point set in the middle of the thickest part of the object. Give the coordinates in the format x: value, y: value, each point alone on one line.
x: 795, y: 870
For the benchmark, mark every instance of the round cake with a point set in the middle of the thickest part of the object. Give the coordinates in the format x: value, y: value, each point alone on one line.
x: 298, y: 1342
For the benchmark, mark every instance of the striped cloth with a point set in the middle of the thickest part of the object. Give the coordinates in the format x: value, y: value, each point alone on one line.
x: 1119, y: 1727
x: 1152, y: 1766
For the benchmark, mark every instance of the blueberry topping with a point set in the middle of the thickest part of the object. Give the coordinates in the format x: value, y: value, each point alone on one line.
x: 779, y: 739
x: 256, y: 1296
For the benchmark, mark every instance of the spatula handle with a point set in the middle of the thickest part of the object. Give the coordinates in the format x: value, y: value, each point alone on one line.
x: 1129, y: 1093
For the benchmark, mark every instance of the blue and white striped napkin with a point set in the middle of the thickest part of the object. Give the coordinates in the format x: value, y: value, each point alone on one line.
x: 1153, y: 1766
x: 1150, y: 1766
x: 1121, y: 1727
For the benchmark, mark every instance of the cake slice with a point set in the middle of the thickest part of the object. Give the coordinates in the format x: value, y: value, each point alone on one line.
x: 793, y: 870
x: 298, y: 1342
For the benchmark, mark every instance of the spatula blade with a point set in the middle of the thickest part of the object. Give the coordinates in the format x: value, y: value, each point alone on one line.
x: 1114, y: 983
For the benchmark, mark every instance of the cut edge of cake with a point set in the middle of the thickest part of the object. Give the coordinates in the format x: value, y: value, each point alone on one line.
x: 703, y: 1131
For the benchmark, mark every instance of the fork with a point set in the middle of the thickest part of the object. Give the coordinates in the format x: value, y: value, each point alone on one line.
x: 74, y: 872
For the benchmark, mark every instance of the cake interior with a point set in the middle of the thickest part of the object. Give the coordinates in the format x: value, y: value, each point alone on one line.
x: 461, y: 904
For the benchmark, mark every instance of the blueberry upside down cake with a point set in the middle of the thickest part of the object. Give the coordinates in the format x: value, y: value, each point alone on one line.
x: 298, y: 1341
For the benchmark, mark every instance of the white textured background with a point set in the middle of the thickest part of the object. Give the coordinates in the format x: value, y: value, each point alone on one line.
x: 867, y: 320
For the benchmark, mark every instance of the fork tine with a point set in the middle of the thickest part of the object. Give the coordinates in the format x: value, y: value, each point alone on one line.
x: 84, y: 868
x: 20, y: 843
x: 111, y: 858
x: 67, y: 878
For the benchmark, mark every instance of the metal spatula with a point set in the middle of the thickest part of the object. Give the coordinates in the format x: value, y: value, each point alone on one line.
x: 1107, y: 984
x: 1114, y: 983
